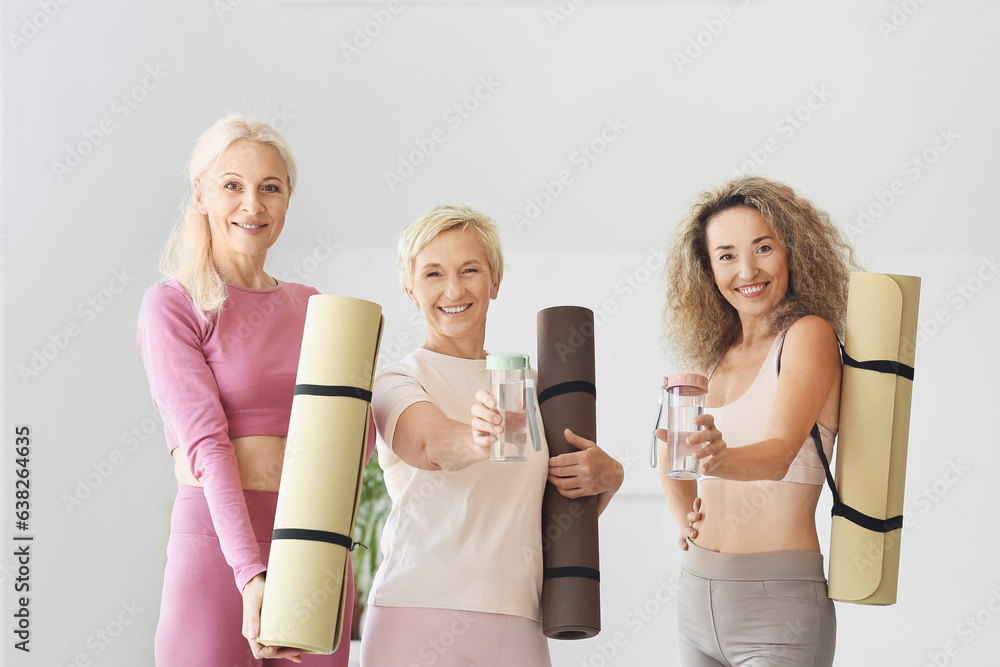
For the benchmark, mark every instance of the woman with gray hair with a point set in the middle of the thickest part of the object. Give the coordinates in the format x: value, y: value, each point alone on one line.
x: 462, y: 575
x: 220, y: 341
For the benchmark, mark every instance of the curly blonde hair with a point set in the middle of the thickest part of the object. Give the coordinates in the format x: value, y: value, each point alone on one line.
x: 700, y: 324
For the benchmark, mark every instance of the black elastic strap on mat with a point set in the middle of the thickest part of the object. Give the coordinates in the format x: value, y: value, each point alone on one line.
x: 333, y: 390
x: 560, y: 572
x: 567, y: 388
x: 879, y: 365
x: 313, y: 536
x: 840, y: 509
x: 849, y: 513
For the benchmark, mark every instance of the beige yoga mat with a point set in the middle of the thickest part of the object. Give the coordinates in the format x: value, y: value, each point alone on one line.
x: 305, y: 594
x: 874, y: 427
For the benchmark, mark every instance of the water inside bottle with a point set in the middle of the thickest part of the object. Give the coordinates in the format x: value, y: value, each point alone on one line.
x: 511, y: 444
x: 683, y: 463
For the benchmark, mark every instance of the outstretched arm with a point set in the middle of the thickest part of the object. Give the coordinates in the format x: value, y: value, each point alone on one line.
x: 810, y: 370
x: 425, y: 438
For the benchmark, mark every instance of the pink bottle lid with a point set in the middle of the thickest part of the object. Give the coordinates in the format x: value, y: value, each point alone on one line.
x: 688, y: 384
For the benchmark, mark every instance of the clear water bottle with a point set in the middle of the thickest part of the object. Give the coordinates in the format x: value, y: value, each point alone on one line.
x: 683, y: 395
x: 514, y: 392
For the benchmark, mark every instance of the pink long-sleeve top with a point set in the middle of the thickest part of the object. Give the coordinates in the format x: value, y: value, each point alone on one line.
x: 214, y: 382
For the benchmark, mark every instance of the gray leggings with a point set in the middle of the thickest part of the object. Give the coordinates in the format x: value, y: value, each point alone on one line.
x: 754, y: 610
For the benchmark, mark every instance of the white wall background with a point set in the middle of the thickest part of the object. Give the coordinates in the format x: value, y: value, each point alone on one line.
x: 839, y: 99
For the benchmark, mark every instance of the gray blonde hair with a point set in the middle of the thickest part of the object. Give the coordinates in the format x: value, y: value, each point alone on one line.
x: 187, y: 256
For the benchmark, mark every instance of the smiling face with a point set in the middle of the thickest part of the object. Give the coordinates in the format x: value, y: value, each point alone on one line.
x: 452, y: 285
x: 245, y: 198
x: 748, y: 261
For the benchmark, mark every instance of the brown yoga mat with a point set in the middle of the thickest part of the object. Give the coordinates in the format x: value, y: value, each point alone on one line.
x: 875, y: 395
x: 571, y: 589
x: 305, y: 594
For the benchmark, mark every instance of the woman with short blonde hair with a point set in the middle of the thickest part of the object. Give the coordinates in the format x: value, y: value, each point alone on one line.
x: 461, y: 580
x: 441, y: 219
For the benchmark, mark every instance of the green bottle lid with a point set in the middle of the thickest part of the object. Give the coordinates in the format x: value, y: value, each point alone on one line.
x: 506, y: 361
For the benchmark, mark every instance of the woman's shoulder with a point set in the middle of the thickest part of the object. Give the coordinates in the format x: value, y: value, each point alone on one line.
x: 811, y: 327
x: 398, y: 382
x: 167, y: 313
x: 298, y: 288
x: 166, y: 297
x: 407, y: 366
x: 429, y: 369
x: 811, y: 337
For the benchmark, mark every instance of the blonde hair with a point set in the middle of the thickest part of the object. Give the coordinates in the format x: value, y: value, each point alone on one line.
x: 188, y: 253
x: 425, y: 229
x: 700, y: 324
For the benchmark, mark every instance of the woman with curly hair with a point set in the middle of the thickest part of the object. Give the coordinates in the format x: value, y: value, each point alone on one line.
x: 757, y: 296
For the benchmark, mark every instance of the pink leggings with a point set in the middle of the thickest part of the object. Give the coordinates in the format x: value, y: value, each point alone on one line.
x: 418, y: 637
x: 201, y: 611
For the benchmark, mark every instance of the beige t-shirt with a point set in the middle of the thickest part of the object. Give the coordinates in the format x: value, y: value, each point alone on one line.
x: 469, y: 539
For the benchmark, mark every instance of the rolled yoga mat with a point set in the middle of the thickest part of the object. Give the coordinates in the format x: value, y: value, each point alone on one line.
x: 305, y: 594
x: 875, y: 395
x: 571, y: 589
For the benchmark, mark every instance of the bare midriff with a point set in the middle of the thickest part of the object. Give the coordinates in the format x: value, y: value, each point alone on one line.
x: 754, y: 517
x: 259, y: 458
